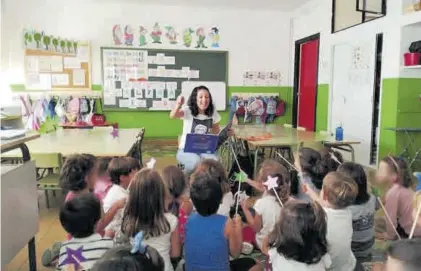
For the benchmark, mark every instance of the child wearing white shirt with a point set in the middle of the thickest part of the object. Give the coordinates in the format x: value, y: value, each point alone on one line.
x: 268, y: 208
x: 338, y: 193
x: 298, y: 241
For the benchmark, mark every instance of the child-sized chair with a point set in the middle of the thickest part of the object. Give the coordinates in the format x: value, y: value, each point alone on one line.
x: 48, y: 166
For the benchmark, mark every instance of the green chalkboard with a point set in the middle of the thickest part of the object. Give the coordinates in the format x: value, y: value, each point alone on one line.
x: 126, y: 87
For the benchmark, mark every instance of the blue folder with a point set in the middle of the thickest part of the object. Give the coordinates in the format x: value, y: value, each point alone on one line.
x: 201, y: 143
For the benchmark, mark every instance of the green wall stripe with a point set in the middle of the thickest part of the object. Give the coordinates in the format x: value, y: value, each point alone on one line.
x: 322, y: 109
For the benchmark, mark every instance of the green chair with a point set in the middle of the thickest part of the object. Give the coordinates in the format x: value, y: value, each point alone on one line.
x: 48, y: 167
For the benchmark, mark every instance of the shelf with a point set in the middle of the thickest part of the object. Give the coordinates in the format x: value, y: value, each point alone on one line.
x: 411, y: 18
x: 411, y: 67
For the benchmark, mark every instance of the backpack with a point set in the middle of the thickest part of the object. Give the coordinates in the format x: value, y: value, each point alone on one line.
x: 271, y: 106
x: 280, y: 108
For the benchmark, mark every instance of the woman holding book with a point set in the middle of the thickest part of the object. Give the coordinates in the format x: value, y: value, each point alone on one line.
x: 199, y: 117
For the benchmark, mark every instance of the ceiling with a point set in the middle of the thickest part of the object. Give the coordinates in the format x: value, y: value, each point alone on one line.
x: 281, y: 5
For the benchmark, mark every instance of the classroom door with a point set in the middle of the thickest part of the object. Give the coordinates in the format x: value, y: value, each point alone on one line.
x: 307, y: 86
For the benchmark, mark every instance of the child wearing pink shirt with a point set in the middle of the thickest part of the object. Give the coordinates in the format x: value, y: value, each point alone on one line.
x: 394, y: 171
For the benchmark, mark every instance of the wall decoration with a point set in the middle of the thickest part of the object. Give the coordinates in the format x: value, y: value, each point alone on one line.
x: 128, y: 35
x: 117, y: 35
x: 142, y: 35
x: 38, y: 38
x: 156, y: 33
x: 201, y: 36
x: 28, y: 38
x: 55, y: 42
x: 187, y: 37
x: 171, y: 34
x: 214, y: 35
x: 261, y: 78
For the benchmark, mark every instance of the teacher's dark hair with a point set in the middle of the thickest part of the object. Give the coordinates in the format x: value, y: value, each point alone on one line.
x: 192, y: 102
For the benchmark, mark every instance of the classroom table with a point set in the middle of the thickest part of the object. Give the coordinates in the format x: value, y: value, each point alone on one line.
x: 18, y: 188
x: 286, y: 137
x: 98, y: 142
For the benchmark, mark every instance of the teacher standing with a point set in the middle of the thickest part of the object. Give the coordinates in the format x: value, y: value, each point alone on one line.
x: 200, y: 117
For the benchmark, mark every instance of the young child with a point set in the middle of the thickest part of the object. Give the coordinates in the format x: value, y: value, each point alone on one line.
x: 338, y: 192
x: 130, y: 258
x: 211, y: 238
x: 268, y: 209
x: 311, y: 171
x: 121, y: 171
x: 331, y: 163
x: 78, y: 217
x: 402, y: 255
x: 363, y: 211
x: 298, y: 241
x: 394, y: 171
x: 217, y: 169
x: 146, y: 212
x: 103, y: 183
x: 180, y: 206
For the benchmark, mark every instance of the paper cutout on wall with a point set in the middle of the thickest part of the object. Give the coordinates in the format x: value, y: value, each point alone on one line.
x: 201, y: 36
x: 117, y: 35
x: 261, y: 78
x: 128, y: 35
x: 214, y: 36
x: 142, y: 35
x: 187, y: 37
x: 171, y: 35
x: 156, y: 33
x: 35, y: 39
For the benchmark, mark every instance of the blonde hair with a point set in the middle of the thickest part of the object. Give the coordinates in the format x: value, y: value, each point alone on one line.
x: 340, y: 189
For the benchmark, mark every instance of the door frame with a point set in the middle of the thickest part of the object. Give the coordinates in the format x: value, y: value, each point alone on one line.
x: 297, y: 59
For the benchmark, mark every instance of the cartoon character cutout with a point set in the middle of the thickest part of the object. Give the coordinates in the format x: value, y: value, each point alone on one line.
x: 171, y: 35
x: 200, y: 33
x: 142, y: 35
x: 156, y: 33
x: 187, y: 37
x: 214, y: 35
x: 128, y: 35
x: 117, y: 35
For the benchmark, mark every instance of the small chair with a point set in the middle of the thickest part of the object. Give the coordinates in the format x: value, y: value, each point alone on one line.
x: 136, y: 149
x: 48, y: 166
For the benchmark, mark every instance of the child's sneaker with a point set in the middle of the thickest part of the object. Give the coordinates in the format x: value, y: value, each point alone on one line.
x: 247, y: 248
x: 51, y: 254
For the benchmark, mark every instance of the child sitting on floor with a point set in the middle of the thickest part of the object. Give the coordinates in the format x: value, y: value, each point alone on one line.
x: 180, y: 206
x: 363, y: 211
x: 338, y: 193
x: 394, y: 171
x: 138, y: 257
x: 146, y: 212
x: 311, y: 171
x: 210, y: 237
x: 78, y: 217
x: 268, y: 209
x: 103, y: 183
x: 298, y: 241
x: 402, y: 255
x: 217, y: 169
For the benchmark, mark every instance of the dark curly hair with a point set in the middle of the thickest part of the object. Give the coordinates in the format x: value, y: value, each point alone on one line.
x: 300, y: 233
x: 192, y: 102
x: 75, y: 170
x: 312, y: 163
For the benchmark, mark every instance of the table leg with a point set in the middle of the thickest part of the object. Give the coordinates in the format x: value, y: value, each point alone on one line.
x: 256, y: 153
x: 32, y: 255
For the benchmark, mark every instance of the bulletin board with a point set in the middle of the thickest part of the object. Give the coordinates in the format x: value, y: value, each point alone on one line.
x: 48, y: 70
x: 140, y: 79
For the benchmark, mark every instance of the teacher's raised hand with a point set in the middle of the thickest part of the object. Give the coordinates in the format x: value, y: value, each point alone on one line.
x: 180, y: 100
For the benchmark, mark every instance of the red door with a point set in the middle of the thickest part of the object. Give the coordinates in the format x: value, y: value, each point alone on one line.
x: 307, y: 88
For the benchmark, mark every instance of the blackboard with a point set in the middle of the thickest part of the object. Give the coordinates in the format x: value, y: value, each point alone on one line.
x: 138, y: 79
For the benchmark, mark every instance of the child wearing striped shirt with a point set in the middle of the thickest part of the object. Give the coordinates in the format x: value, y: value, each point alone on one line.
x: 78, y: 217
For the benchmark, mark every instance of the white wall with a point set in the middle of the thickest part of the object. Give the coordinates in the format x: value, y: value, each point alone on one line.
x: 256, y: 40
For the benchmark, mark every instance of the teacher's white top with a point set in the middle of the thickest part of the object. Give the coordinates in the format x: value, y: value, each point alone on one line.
x: 201, y: 124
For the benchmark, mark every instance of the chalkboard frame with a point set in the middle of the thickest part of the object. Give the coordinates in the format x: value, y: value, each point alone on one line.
x: 166, y: 51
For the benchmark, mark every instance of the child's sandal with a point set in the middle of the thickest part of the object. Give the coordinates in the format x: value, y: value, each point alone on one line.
x: 51, y: 254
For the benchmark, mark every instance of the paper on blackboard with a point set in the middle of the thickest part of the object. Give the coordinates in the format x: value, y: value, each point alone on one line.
x: 152, y: 72
x: 159, y: 93
x: 149, y: 91
x: 170, y: 60
x: 161, y: 71
x: 78, y: 77
x: 140, y: 103
x: 138, y: 93
x: 194, y: 74
x: 152, y: 59
x: 123, y: 103
x: 171, y: 86
x: 132, y: 103
x: 109, y: 99
x: 118, y: 92
x: 44, y: 64
x: 160, y: 59
x: 71, y: 63
x: 127, y: 93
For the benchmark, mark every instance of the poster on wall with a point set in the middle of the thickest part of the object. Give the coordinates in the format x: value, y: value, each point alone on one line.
x: 261, y: 78
x: 159, y: 34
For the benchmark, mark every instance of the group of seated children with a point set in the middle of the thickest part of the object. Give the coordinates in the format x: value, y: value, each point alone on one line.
x: 121, y: 217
